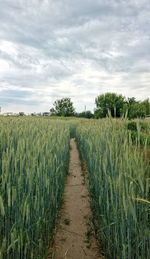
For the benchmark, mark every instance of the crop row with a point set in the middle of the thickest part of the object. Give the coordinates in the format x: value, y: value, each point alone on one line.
x: 33, y: 163
x: 119, y: 188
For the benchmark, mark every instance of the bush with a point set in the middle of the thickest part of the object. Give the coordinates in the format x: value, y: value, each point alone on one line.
x: 132, y: 126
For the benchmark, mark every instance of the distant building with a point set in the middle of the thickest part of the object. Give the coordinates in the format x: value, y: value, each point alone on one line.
x: 46, y: 114
x: 36, y: 114
x: 8, y: 114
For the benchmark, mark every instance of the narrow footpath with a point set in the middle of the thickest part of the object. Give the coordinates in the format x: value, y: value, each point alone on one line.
x: 74, y: 237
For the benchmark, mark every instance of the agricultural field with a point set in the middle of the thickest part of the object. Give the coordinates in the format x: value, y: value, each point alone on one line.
x: 119, y: 187
x: 34, y: 159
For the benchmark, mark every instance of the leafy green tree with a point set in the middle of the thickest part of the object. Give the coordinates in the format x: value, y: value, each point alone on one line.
x: 128, y: 107
x: 63, y: 107
x: 137, y: 110
x: 109, y: 103
x: 85, y: 114
x: 146, y: 104
x: 134, y: 109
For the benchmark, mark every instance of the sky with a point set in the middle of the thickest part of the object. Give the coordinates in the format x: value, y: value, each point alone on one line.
x: 51, y: 49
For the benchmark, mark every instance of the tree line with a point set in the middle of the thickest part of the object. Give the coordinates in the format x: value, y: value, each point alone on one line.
x: 106, y: 104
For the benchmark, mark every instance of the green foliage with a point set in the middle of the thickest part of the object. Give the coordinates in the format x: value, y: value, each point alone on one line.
x: 85, y: 114
x: 109, y: 102
x: 132, y: 125
x: 119, y: 187
x: 146, y: 105
x: 134, y: 109
x: 117, y: 106
x: 63, y: 107
x: 34, y: 156
x: 21, y: 114
x: 140, y: 131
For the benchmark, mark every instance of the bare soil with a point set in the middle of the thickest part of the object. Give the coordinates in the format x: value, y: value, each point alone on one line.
x: 74, y: 237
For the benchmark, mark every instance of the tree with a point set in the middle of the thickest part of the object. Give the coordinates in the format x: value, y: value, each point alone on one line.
x: 85, y: 114
x: 128, y: 107
x: 21, y: 114
x: 135, y: 109
x: 63, y: 107
x: 146, y: 104
x: 109, y: 102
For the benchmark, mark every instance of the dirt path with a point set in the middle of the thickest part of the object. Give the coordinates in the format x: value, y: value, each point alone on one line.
x: 74, y: 236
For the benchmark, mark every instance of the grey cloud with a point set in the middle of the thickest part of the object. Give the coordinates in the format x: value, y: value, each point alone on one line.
x: 19, y: 97
x: 93, y: 46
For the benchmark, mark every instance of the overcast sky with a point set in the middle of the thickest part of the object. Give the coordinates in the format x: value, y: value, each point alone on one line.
x: 51, y: 49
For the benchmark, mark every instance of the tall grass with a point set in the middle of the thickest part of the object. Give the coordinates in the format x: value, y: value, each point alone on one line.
x: 33, y: 163
x: 119, y: 187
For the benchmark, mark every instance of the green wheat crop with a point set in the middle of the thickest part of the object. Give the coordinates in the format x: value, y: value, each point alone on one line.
x: 119, y: 187
x: 33, y: 163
